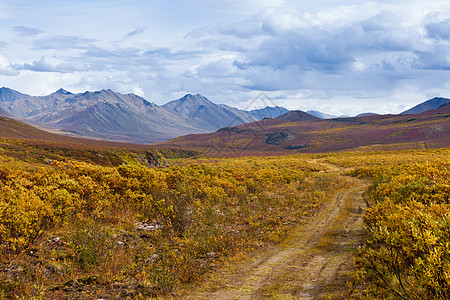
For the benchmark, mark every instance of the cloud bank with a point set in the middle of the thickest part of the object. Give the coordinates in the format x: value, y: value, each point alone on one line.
x: 342, y: 59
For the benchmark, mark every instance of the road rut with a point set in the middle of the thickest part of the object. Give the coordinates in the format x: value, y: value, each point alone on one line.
x: 313, y: 263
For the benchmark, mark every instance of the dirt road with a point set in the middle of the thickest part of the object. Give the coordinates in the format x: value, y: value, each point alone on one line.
x: 313, y: 263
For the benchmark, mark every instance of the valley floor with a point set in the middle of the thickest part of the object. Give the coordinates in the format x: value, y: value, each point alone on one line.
x: 314, y: 263
x: 285, y: 227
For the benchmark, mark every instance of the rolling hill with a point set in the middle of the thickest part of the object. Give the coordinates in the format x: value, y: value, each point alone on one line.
x: 297, y: 115
x: 301, y: 132
x: 29, y: 143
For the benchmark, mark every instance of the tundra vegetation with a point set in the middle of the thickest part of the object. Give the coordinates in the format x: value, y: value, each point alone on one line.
x: 406, y: 255
x: 78, y: 230
x: 132, y: 231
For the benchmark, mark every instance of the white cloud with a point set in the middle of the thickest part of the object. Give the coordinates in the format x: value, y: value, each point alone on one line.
x: 326, y: 53
x: 116, y: 82
x: 321, y: 51
x: 42, y: 83
x: 58, y: 64
x: 6, y: 68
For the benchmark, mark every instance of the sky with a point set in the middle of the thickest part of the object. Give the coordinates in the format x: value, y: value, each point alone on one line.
x: 335, y: 56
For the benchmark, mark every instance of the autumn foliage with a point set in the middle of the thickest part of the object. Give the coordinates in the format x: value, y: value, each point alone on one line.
x: 79, y: 229
x: 407, y: 251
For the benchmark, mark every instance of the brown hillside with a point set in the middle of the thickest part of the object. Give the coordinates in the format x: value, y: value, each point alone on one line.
x: 282, y: 135
x: 26, y: 142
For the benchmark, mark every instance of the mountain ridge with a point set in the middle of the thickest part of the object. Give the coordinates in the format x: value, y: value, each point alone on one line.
x: 128, y: 117
x: 431, y: 104
x: 109, y: 115
x: 201, y: 112
x: 268, y: 112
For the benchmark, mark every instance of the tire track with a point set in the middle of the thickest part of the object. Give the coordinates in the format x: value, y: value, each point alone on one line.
x: 313, y: 263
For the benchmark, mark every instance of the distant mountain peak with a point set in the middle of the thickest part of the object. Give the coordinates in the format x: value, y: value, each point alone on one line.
x: 7, y: 89
x: 427, y: 105
x: 297, y: 115
x: 10, y: 94
x: 321, y: 115
x: 62, y: 91
x: 108, y: 91
x: 188, y: 102
x: 192, y: 97
x: 201, y: 112
x: 268, y: 112
x: 129, y: 117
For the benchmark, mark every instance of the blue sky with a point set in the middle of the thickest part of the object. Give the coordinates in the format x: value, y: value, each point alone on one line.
x: 336, y: 56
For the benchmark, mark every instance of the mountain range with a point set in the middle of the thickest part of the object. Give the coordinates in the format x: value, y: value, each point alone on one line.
x: 108, y: 115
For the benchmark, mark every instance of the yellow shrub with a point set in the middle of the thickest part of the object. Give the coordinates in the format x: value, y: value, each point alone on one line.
x: 409, y: 242
x: 23, y: 217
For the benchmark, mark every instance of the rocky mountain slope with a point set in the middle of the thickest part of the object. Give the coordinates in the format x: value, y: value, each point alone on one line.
x: 199, y: 112
x: 268, y: 112
x: 110, y: 115
x: 427, y: 105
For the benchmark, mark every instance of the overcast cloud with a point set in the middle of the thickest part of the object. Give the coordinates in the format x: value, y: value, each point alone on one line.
x: 339, y: 57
